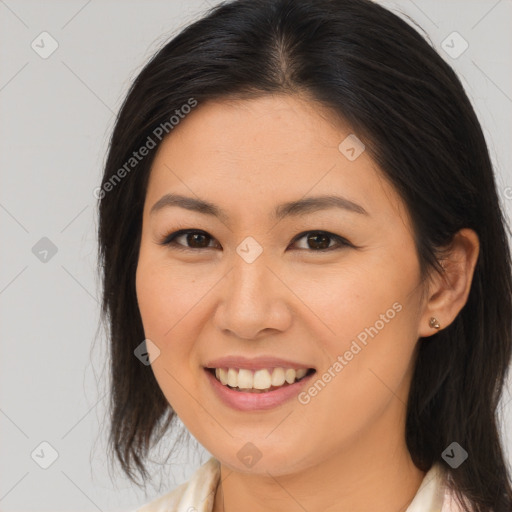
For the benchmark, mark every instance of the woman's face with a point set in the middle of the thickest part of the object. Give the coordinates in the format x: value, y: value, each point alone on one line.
x: 246, y: 286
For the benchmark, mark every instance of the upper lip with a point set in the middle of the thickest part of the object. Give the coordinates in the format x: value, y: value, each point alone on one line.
x: 255, y: 363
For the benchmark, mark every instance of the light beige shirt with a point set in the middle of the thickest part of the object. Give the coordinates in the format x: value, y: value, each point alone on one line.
x: 198, y: 493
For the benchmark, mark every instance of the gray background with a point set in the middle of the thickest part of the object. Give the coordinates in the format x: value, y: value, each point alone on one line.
x: 56, y: 115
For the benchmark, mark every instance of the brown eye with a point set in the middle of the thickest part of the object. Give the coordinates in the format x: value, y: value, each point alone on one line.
x: 194, y: 239
x: 320, y: 241
x: 197, y: 240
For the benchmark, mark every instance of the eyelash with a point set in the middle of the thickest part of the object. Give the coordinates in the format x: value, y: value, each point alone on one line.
x: 170, y: 240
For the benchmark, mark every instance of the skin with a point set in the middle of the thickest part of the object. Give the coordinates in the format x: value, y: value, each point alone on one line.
x: 345, y: 450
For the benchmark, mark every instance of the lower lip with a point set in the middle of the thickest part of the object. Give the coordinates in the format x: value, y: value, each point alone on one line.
x: 256, y: 401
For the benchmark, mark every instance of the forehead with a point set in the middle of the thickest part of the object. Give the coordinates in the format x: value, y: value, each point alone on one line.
x: 254, y: 154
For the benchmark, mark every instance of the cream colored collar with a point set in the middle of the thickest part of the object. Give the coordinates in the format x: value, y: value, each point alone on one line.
x: 198, y: 493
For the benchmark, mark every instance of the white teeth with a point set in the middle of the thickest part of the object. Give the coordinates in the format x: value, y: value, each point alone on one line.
x: 223, y: 375
x: 232, y: 378
x: 260, y: 379
x: 300, y: 373
x: 278, y: 377
x: 245, y: 379
x: 289, y: 375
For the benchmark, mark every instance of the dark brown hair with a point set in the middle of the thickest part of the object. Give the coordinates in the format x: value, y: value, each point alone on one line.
x: 377, y: 73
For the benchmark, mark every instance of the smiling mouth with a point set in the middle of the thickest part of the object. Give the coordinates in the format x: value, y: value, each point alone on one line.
x: 259, y: 381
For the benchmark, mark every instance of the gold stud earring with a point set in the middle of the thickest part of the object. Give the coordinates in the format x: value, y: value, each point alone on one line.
x: 434, y: 323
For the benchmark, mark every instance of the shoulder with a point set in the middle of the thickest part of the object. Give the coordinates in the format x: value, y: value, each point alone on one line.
x: 195, y: 495
x: 434, y: 493
x: 450, y: 503
x: 446, y: 496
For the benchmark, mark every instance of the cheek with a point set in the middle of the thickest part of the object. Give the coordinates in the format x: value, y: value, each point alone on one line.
x: 165, y: 296
x: 163, y: 306
x: 348, y: 298
x: 172, y: 303
x: 152, y: 295
x: 368, y: 331
x: 363, y: 291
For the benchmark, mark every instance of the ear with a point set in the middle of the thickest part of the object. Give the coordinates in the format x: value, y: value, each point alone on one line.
x: 448, y: 293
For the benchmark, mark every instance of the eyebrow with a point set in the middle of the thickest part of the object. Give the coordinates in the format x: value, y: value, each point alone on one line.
x: 289, y: 209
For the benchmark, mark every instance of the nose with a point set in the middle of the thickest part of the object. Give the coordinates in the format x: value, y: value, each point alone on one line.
x: 253, y: 300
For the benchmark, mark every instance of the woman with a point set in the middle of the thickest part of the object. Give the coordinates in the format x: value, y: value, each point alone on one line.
x: 304, y: 259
